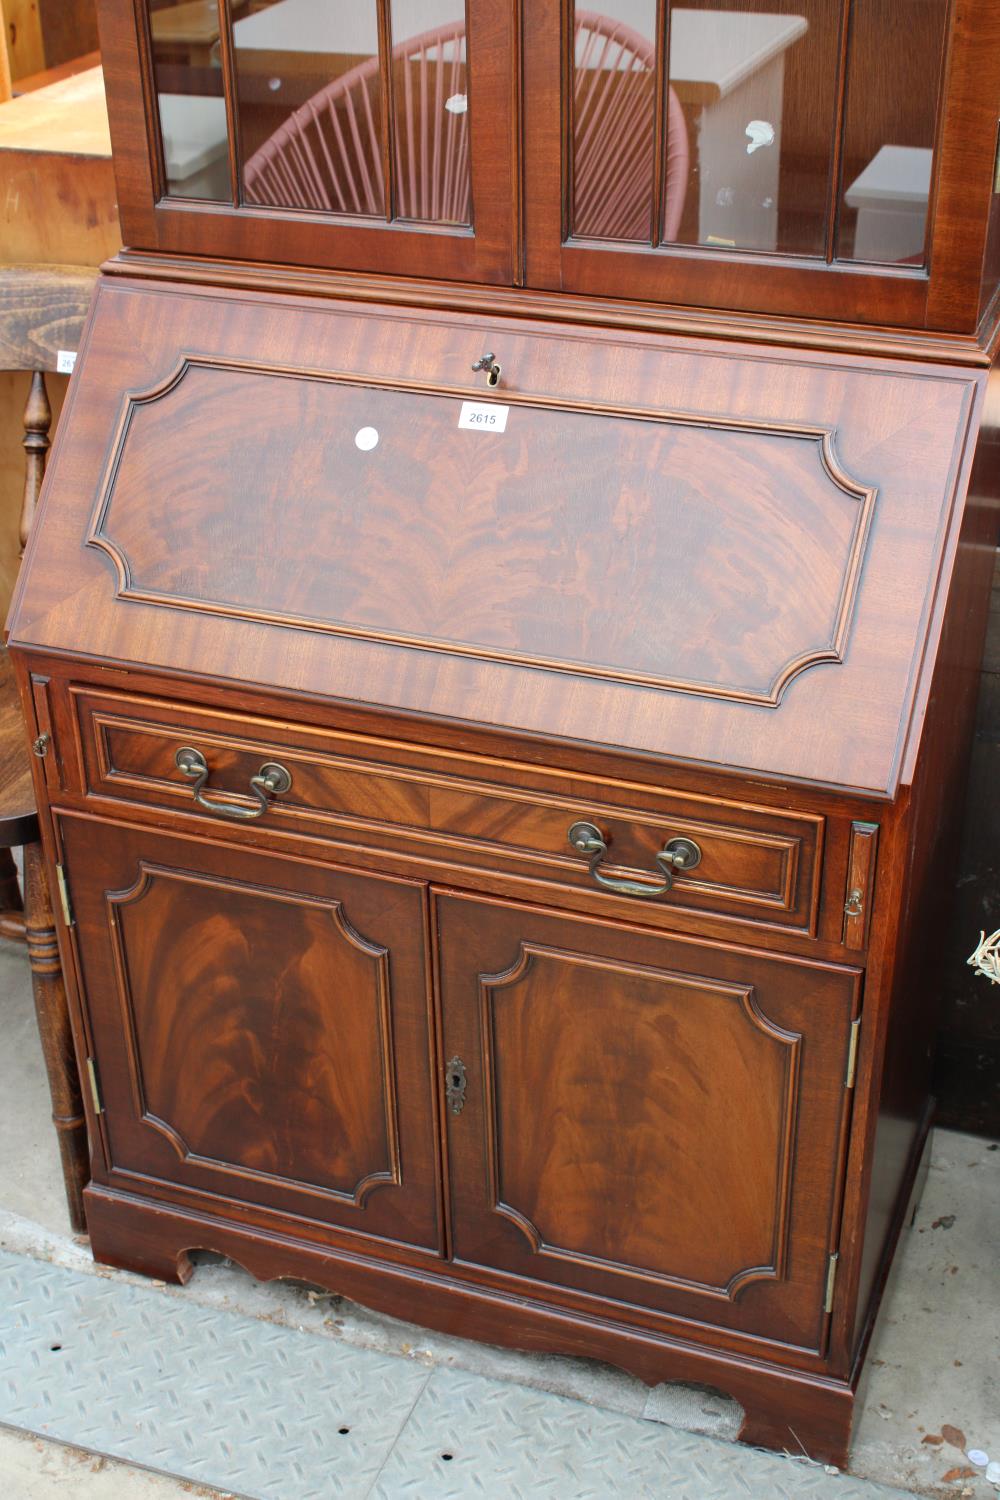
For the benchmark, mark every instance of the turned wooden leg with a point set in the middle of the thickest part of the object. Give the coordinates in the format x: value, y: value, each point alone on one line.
x: 11, y: 914
x: 37, y: 421
x: 53, y: 1027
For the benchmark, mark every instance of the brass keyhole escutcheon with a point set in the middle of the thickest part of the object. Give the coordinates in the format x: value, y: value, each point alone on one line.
x: 854, y: 904
x: 455, y: 1083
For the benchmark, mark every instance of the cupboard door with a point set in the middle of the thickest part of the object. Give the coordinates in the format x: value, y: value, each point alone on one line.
x: 736, y: 153
x: 655, y: 1121
x: 371, y: 135
x: 260, y: 1027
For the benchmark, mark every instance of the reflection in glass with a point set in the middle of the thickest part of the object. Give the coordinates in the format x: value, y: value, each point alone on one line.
x: 614, y: 85
x: 747, y: 122
x: 188, y: 74
x: 430, y: 95
x: 758, y: 92
x: 893, y: 77
x: 309, y: 101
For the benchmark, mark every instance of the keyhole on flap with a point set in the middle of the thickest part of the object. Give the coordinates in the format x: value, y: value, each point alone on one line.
x: 488, y: 362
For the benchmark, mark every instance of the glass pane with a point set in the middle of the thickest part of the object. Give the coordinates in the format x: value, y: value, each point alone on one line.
x: 430, y: 96
x: 893, y: 77
x: 751, y: 116
x: 614, y: 80
x: 309, y: 102
x: 188, y: 73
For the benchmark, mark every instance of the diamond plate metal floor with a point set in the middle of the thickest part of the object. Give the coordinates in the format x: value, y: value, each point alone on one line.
x: 271, y: 1413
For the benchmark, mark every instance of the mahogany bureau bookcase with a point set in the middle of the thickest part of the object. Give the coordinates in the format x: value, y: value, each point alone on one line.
x: 505, y: 610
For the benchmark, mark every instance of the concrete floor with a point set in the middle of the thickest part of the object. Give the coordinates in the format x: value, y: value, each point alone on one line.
x: 34, y: 1470
x: 934, y: 1365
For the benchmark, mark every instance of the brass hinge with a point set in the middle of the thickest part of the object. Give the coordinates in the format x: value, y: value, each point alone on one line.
x: 64, y: 900
x: 852, y: 1053
x: 95, y: 1092
x: 831, y: 1279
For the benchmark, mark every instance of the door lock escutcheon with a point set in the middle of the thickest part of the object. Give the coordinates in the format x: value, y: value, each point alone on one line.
x: 455, y: 1082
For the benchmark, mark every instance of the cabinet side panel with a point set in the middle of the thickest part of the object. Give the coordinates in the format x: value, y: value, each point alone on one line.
x: 967, y: 1061
x: 932, y: 825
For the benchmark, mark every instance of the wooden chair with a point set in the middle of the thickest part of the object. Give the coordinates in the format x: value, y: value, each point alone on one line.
x: 19, y: 827
x: 328, y: 154
x: 40, y: 310
x: 15, y: 771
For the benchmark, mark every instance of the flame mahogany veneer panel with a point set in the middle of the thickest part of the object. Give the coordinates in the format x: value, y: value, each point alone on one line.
x: 387, y: 542
x: 651, y: 1120
x: 679, y: 548
x: 261, y: 1026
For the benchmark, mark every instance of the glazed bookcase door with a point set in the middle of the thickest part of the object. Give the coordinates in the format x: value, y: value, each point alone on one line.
x: 761, y: 155
x: 355, y: 134
x: 260, y: 1029
x: 655, y: 1121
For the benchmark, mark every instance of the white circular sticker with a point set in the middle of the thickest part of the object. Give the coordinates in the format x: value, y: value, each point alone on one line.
x: 366, y: 438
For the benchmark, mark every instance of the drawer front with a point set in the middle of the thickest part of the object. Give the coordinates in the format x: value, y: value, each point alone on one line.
x: 755, y: 865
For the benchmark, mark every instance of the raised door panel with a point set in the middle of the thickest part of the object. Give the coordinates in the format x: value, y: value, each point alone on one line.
x: 649, y: 1120
x: 780, y: 539
x: 261, y: 1028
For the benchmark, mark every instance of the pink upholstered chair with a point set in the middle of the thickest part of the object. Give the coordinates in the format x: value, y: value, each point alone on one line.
x: 328, y: 154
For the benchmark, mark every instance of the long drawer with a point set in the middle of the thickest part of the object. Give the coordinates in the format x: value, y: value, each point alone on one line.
x: 754, y: 864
